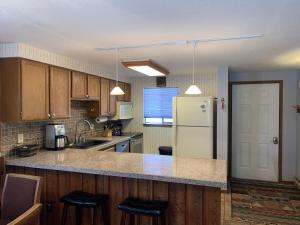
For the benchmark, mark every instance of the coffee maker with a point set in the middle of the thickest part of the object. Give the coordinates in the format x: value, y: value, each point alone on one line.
x: 55, y: 137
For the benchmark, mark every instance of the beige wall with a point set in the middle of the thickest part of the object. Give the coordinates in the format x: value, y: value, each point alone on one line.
x: 158, y: 136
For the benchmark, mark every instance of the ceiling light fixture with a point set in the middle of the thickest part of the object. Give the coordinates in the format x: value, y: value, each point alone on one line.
x: 117, y: 90
x: 182, y: 42
x: 193, y: 89
x: 147, y: 67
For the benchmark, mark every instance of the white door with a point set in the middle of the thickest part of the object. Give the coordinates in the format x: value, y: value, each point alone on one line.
x: 255, y: 123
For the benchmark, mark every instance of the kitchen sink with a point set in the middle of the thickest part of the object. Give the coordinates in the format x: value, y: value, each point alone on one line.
x: 89, y: 144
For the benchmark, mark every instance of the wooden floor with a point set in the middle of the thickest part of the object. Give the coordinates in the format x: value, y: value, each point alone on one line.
x: 225, y: 208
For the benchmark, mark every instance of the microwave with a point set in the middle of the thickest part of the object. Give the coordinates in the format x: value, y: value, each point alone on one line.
x: 124, y: 110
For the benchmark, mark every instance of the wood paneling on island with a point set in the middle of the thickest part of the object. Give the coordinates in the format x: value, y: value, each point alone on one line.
x: 188, y: 204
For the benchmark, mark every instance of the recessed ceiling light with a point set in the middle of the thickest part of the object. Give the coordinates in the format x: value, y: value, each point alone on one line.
x: 147, y: 67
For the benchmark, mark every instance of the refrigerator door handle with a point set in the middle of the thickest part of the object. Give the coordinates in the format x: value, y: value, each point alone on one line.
x: 174, y: 139
x: 174, y: 111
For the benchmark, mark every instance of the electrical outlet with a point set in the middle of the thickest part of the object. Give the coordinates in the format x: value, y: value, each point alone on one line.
x: 20, y: 138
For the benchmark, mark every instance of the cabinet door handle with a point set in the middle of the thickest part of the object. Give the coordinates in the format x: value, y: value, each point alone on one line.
x: 53, y: 115
x: 87, y: 96
x: 49, y: 116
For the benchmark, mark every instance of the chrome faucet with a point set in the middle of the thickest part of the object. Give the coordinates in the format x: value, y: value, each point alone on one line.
x: 78, y: 137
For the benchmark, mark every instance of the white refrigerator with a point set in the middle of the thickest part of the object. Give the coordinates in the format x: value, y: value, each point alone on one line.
x: 194, y: 127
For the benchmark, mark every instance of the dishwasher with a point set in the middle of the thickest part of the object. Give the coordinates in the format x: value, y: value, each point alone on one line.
x: 122, y: 146
x: 136, y: 144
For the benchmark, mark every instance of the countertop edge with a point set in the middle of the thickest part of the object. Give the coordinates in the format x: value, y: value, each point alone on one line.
x: 112, y: 142
x: 207, y: 183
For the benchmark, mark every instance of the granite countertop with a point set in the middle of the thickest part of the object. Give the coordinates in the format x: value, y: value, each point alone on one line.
x: 212, y: 173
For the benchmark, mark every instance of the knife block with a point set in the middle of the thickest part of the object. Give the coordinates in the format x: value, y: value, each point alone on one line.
x: 107, y: 132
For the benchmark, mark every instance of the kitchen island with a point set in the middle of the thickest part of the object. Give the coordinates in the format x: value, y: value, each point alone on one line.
x: 191, y: 186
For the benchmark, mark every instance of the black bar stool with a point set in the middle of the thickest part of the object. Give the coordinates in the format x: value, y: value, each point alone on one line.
x: 134, y: 206
x: 165, y: 150
x: 81, y: 200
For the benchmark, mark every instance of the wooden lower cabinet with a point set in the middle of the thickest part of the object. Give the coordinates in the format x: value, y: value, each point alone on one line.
x: 188, y: 204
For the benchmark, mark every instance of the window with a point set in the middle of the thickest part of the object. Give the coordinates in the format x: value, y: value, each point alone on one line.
x: 158, y: 105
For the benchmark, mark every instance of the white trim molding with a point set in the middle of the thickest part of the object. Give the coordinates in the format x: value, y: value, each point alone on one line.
x: 8, y: 50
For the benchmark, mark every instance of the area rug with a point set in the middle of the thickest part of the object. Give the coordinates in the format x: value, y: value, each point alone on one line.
x: 265, y: 203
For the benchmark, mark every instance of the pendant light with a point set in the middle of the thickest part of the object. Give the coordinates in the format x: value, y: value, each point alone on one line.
x: 117, y: 90
x: 193, y: 89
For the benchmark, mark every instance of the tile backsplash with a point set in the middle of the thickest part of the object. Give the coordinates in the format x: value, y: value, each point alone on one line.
x: 34, y: 132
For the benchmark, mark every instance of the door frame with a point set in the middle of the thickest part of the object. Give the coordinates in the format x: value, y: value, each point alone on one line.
x: 231, y: 83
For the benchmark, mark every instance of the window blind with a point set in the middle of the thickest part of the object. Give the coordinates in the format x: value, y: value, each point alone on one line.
x: 158, y: 102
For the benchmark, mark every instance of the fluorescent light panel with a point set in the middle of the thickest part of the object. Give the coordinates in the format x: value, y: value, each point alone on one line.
x: 149, y: 71
x: 147, y: 67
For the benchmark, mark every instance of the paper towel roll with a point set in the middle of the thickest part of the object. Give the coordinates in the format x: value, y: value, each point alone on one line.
x: 101, y: 119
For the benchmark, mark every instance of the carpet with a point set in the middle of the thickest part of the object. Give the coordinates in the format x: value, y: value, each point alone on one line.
x: 265, y: 203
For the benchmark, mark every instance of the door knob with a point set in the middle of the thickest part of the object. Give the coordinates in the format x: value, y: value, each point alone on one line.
x: 275, y: 140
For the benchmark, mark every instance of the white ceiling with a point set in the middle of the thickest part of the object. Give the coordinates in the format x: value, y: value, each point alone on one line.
x: 75, y: 27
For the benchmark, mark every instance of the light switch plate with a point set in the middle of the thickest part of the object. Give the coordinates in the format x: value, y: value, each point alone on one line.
x: 20, y: 138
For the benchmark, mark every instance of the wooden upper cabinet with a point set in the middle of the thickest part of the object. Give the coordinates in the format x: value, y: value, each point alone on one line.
x: 85, y: 87
x: 10, y: 91
x: 122, y: 86
x: 127, y: 90
x: 107, y: 106
x: 60, y: 92
x: 104, y: 103
x: 34, y: 91
x: 112, y: 98
x: 79, y: 85
x: 28, y: 89
x: 93, y: 84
